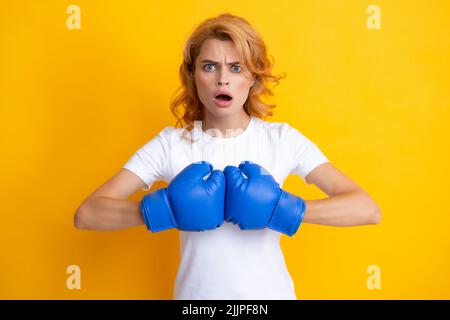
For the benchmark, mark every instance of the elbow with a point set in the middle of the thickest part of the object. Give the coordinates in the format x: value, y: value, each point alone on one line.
x: 372, y: 209
x: 375, y: 215
x: 79, y: 219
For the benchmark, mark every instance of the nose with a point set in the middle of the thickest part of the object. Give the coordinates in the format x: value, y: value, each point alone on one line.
x: 220, y: 83
x: 222, y: 79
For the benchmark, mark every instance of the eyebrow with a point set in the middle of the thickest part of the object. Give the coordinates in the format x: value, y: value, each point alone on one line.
x: 216, y: 62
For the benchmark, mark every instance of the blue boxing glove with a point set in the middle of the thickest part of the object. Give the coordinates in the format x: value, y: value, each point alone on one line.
x: 191, y: 202
x: 257, y: 201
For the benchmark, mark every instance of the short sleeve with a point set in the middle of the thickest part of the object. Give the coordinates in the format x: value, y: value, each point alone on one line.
x: 149, y: 162
x: 306, y: 154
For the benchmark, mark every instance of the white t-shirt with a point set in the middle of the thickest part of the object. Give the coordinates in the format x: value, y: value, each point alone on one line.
x: 227, y: 262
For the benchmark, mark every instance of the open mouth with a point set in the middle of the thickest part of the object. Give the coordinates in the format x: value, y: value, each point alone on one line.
x: 223, y: 97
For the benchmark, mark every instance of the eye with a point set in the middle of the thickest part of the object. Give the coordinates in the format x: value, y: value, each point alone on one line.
x: 206, y: 65
x: 237, y: 67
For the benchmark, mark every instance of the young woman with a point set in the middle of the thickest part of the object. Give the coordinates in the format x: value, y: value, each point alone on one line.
x: 230, y: 218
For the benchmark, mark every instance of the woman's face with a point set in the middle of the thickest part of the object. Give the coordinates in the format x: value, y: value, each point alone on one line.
x: 217, y: 69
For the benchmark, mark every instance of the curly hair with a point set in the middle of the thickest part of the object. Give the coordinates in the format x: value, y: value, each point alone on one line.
x: 185, y: 103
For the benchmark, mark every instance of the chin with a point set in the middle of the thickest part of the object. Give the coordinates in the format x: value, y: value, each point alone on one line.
x: 227, y: 111
x: 217, y: 111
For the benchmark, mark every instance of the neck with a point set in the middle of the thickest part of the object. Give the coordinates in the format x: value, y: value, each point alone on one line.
x: 228, y: 126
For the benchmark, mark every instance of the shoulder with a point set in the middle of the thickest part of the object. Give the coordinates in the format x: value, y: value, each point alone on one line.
x: 161, y: 141
x: 282, y: 130
x: 169, y: 130
x: 170, y: 134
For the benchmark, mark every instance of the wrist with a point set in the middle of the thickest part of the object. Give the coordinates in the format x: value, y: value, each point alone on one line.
x: 288, y: 214
x: 156, y: 211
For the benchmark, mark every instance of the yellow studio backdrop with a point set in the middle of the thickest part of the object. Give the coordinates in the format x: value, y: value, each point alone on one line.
x: 80, y: 94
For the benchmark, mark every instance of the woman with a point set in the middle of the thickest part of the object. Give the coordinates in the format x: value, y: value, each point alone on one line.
x: 220, y: 125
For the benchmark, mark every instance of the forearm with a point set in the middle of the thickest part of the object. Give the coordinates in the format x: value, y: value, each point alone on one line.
x: 104, y: 213
x: 346, y: 209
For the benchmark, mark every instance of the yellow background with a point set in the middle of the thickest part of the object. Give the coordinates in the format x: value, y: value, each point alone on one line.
x: 76, y: 104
